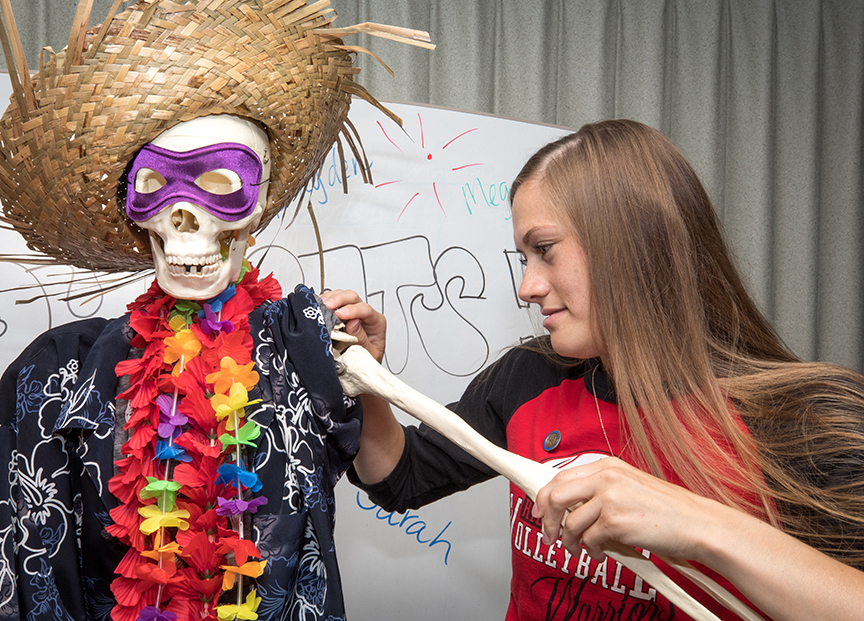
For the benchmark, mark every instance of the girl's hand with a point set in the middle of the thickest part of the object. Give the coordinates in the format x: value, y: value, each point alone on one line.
x: 785, y: 578
x: 361, y: 320
x: 624, y: 504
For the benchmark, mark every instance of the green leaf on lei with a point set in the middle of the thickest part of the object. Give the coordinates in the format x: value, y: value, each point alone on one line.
x: 165, y: 492
x: 245, y: 435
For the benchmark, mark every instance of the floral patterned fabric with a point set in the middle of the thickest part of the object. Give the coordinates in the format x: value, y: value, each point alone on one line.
x: 57, y: 423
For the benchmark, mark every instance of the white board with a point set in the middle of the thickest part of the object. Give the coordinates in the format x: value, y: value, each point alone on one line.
x: 429, y: 244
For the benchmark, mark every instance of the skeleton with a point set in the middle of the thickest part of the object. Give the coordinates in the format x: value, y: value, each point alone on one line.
x: 359, y: 373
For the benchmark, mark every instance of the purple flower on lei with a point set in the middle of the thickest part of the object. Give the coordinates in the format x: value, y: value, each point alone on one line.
x: 235, y: 507
x: 151, y: 613
x: 169, y: 425
x: 210, y: 323
x: 209, y: 313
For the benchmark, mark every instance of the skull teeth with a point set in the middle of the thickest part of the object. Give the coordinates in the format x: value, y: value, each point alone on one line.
x: 207, y: 260
x: 193, y: 270
x: 194, y: 266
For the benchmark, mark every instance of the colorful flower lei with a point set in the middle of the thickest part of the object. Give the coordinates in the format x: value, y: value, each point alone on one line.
x: 182, y: 483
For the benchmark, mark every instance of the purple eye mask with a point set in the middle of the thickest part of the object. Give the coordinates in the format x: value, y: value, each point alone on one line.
x: 181, y: 169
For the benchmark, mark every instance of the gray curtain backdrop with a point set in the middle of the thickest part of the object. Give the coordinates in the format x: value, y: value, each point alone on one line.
x: 765, y: 97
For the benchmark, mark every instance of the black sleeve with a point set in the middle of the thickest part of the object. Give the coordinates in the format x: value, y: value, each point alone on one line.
x: 431, y: 466
x: 39, y: 548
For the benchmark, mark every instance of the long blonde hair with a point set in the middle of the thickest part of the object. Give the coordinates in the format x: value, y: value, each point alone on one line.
x: 686, y: 344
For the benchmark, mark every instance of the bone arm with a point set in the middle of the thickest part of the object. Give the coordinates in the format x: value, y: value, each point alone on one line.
x: 363, y: 375
x: 360, y: 373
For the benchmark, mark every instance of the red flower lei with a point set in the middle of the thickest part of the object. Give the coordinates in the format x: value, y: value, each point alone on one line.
x: 182, y: 478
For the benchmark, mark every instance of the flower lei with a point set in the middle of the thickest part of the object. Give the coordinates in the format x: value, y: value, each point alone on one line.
x: 182, y: 483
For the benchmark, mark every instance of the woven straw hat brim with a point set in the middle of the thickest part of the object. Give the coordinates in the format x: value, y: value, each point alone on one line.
x: 158, y: 63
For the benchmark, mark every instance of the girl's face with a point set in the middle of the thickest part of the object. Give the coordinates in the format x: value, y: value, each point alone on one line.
x: 556, y: 273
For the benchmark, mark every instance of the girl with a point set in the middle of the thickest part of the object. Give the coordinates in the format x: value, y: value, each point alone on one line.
x: 676, y: 414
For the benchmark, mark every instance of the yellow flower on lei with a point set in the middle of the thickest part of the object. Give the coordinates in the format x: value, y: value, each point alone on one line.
x: 247, y: 610
x: 177, y: 323
x: 235, y: 401
x: 155, y: 518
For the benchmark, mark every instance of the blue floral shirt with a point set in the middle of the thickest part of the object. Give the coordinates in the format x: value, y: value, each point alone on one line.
x: 57, y: 423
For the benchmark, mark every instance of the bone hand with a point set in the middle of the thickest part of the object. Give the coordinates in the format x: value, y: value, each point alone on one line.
x: 360, y: 373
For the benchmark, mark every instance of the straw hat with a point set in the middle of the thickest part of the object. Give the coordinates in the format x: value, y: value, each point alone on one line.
x: 70, y: 131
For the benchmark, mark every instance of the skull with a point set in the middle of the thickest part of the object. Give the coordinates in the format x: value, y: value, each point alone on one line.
x: 212, y: 172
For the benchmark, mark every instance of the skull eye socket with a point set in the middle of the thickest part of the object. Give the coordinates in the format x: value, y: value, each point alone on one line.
x: 219, y: 181
x: 148, y: 181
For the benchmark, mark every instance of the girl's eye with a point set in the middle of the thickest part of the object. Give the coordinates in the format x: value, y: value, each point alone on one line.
x: 538, y: 249
x: 542, y: 249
